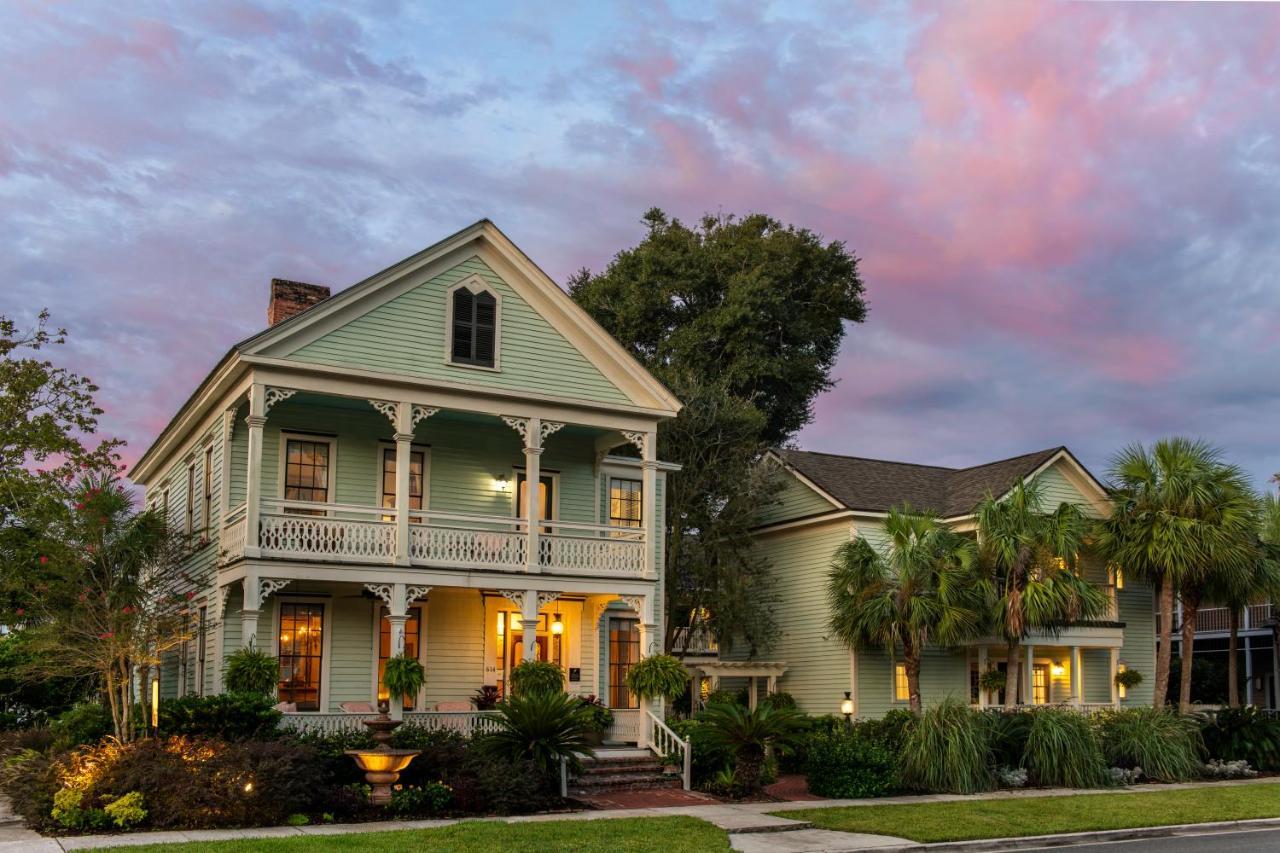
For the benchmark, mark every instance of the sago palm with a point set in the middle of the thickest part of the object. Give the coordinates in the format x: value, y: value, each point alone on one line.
x: 1030, y: 558
x: 749, y: 735
x: 921, y: 589
x: 542, y: 727
x: 1178, y: 515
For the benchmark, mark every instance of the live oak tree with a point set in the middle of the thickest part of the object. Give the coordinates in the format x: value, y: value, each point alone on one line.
x: 742, y: 319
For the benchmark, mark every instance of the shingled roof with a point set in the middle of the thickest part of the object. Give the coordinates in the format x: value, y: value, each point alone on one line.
x: 875, y: 485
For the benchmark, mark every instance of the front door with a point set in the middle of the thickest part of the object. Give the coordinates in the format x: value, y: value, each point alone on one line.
x: 546, y: 497
x: 517, y: 651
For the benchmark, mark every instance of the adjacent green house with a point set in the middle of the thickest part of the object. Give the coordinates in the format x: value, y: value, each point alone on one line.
x: 827, y: 499
x: 360, y: 474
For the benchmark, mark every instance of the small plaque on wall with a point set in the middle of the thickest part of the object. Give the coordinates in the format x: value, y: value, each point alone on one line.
x: 575, y: 673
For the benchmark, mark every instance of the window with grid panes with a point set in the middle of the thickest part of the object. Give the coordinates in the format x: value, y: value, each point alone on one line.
x: 625, y: 502
x: 306, y: 471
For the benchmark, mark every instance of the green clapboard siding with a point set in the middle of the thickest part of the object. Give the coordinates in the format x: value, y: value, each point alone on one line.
x: 1137, y: 603
x: 455, y: 645
x: 407, y: 336
x: 794, y: 500
x: 817, y: 666
x: 943, y: 674
x: 1058, y: 489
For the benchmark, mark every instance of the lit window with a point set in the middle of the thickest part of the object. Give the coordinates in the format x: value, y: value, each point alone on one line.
x: 1117, y: 577
x: 624, y: 653
x: 900, y: 690
x: 1124, y: 691
x: 625, y: 502
x: 1040, y: 685
x: 300, y: 653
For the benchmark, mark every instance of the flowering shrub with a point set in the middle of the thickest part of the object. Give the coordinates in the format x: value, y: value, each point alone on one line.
x: 431, y: 798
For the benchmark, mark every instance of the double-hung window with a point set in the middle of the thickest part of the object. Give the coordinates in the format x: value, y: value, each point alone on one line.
x: 190, y: 517
x: 417, y: 462
x: 624, y: 653
x: 901, y: 692
x: 625, y: 502
x: 306, y: 472
x: 475, y: 327
x: 207, y: 518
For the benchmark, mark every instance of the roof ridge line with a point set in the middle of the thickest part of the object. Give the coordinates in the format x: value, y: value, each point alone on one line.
x: 870, y: 459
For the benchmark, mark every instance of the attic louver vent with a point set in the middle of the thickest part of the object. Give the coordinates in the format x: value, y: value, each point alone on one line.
x: 475, y: 323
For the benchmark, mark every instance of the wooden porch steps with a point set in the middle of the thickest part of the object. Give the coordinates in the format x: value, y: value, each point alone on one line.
x: 621, y: 770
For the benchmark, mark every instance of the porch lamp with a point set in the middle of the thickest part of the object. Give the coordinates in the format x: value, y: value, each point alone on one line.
x: 846, y: 707
x: 501, y: 483
x: 557, y: 627
x: 155, y: 703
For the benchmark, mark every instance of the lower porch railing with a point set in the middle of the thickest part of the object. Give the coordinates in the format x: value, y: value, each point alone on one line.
x: 625, y: 727
x: 465, y: 723
x: 666, y: 744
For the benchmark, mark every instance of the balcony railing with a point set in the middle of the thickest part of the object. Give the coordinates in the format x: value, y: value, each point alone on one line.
x: 363, y: 534
x: 1217, y: 620
x: 694, y: 641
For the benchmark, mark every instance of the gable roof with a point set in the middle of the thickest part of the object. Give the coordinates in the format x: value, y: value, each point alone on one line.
x: 603, y: 350
x: 876, y: 485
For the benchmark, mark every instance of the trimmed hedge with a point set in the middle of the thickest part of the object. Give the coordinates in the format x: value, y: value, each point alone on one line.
x: 850, y: 765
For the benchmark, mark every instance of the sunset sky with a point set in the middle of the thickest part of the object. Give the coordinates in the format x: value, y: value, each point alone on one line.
x: 1068, y: 215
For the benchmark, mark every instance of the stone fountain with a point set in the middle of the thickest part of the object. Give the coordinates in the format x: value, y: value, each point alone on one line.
x: 382, y: 764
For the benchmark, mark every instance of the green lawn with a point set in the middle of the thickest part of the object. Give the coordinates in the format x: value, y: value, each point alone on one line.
x: 963, y: 821
x: 625, y: 835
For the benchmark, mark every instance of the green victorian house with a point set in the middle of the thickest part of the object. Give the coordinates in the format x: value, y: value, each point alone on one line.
x: 828, y: 499
x: 360, y: 475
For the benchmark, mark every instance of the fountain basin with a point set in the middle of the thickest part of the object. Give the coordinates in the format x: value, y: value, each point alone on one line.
x: 382, y: 768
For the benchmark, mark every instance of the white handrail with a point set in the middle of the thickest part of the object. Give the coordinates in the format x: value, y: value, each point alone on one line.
x: 663, y: 741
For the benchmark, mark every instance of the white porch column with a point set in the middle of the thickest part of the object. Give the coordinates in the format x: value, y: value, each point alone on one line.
x: 256, y: 420
x: 649, y: 494
x: 1248, y: 671
x: 529, y: 607
x: 404, y: 455
x: 1077, y: 681
x: 982, y: 667
x: 1115, y: 667
x: 250, y: 600
x: 753, y: 691
x: 1029, y: 678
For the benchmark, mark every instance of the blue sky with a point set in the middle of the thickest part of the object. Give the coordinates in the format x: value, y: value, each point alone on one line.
x: 1066, y: 213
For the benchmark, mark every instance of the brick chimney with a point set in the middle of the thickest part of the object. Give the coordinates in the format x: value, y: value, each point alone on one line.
x: 292, y: 297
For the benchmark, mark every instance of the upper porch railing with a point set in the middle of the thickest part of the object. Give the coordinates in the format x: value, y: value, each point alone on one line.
x: 1217, y: 620
x: 364, y: 534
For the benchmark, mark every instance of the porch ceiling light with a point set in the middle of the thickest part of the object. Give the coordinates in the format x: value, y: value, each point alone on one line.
x: 557, y: 627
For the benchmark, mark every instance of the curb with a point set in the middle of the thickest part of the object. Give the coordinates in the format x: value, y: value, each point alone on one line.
x: 1069, y: 839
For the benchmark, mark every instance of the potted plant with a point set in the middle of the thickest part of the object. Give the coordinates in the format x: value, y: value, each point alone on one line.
x: 600, y: 716
x: 1128, y: 678
x: 992, y: 682
x: 251, y: 671
x: 403, y: 676
x: 486, y: 698
x: 657, y: 677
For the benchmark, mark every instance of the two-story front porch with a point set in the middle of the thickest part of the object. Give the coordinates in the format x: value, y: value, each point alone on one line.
x: 356, y: 527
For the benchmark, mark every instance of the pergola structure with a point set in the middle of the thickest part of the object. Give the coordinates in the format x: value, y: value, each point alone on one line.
x: 751, y: 670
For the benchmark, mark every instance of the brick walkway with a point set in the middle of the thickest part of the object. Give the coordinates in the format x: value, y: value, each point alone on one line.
x: 647, y: 799
x: 791, y: 787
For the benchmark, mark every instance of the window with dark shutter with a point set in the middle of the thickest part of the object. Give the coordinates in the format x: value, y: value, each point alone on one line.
x: 475, y: 325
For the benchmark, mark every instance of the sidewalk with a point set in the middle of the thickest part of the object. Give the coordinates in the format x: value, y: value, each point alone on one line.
x: 751, y: 827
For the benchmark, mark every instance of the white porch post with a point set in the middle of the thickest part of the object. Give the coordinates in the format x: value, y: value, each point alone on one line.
x: 982, y: 667
x: 404, y: 455
x: 1248, y: 671
x: 256, y: 420
x: 1077, y: 682
x: 529, y: 607
x: 1028, y: 677
x: 753, y: 697
x: 1115, y: 667
x: 649, y: 494
x: 532, y: 479
x: 397, y: 610
x: 250, y: 601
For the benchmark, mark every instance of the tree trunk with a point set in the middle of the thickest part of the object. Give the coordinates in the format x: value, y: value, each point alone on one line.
x: 1190, y: 610
x: 1233, y: 648
x: 1011, y: 673
x: 911, y: 663
x: 747, y: 768
x: 1164, y: 648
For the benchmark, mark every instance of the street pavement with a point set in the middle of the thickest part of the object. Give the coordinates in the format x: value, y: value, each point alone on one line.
x: 1248, y: 841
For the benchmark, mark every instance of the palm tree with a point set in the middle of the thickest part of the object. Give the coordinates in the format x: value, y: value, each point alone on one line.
x: 920, y: 590
x: 1031, y: 558
x: 1179, y: 515
x: 545, y: 728
x: 749, y: 735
